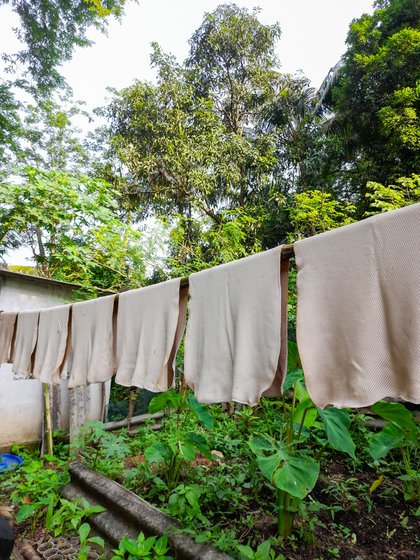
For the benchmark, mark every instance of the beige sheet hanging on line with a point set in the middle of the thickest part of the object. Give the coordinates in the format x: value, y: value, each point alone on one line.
x: 236, y: 341
x: 358, y: 313
x: 52, y: 344
x: 25, y: 341
x: 150, y: 325
x: 7, y: 329
x: 92, y: 336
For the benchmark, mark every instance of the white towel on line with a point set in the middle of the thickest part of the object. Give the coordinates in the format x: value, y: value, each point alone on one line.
x: 25, y: 341
x: 150, y: 325
x: 92, y: 336
x: 236, y: 341
x: 7, y: 329
x: 52, y: 343
x: 358, y: 310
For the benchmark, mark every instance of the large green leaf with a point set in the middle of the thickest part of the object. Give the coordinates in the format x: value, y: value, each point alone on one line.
x: 166, y: 400
x: 397, y: 414
x: 158, y: 452
x: 200, y: 443
x: 310, y: 416
x: 186, y: 450
x: 200, y: 411
x: 388, y: 438
x: 291, y: 378
x: 336, y: 423
x: 293, y: 359
x: 294, y: 472
x: 298, y: 475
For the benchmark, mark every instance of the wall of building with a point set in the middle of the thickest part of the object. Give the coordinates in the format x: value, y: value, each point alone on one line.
x: 21, y: 400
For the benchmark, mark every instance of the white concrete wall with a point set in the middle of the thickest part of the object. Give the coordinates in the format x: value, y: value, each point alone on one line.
x: 21, y: 402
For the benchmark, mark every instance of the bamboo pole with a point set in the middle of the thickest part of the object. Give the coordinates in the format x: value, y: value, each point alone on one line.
x: 48, y: 420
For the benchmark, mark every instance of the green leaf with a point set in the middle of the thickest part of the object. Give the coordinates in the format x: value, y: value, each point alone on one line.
x: 310, y: 416
x: 200, y: 443
x: 388, y: 438
x: 84, y: 531
x: 336, y: 423
x: 291, y: 378
x: 293, y: 358
x: 259, y: 444
x: 158, y: 452
x: 298, y: 476
x: 25, y: 512
x: 186, y: 450
x: 263, y: 550
x: 97, y: 540
x: 166, y: 400
x: 246, y: 551
x: 397, y: 414
x: 200, y: 411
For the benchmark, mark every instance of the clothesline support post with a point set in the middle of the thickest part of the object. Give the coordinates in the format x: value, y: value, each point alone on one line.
x: 131, y: 401
x: 48, y: 419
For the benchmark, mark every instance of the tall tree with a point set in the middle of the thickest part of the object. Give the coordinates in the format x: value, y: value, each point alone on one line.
x: 191, y: 144
x: 51, y: 29
x: 377, y: 97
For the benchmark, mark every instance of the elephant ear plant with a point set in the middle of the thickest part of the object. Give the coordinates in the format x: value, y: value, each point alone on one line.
x: 179, y: 445
x: 289, y: 463
x: 399, y: 433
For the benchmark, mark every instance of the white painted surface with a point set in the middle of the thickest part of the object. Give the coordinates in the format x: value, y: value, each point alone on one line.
x: 21, y: 401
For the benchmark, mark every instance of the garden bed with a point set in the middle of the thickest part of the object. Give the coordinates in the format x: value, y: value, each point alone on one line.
x: 209, y: 471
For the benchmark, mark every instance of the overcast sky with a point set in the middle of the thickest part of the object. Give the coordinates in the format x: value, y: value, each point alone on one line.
x: 312, y: 40
x: 313, y: 34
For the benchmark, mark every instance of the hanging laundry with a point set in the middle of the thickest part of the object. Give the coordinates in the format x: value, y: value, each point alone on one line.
x: 358, y: 312
x: 7, y: 329
x: 51, y: 347
x: 150, y: 325
x: 25, y: 342
x: 92, y: 337
x: 236, y: 341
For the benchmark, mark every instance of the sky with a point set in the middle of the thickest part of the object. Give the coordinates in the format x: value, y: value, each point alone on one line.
x: 313, y: 35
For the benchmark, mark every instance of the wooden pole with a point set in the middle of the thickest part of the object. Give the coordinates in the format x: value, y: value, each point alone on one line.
x: 48, y: 420
x: 131, y: 401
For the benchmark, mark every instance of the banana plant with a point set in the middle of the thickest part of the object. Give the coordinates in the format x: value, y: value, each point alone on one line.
x: 288, y: 462
x: 178, y: 446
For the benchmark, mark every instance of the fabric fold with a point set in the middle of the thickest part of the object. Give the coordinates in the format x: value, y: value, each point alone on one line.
x: 236, y: 340
x: 150, y: 325
x: 7, y: 329
x: 52, y: 344
x: 358, y: 311
x: 25, y: 342
x: 92, y: 337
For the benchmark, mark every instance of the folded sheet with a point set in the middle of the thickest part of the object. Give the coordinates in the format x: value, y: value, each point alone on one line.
x: 92, y: 336
x: 52, y: 343
x: 358, y: 313
x: 150, y: 325
x: 7, y: 329
x: 25, y: 342
x: 236, y: 341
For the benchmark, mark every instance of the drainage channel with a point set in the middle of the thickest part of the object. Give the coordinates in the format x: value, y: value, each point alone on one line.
x: 127, y: 514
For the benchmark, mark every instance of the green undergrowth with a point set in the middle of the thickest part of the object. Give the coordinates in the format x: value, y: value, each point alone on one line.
x: 280, y: 480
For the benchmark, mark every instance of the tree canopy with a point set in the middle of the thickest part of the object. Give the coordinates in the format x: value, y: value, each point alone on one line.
x: 50, y: 30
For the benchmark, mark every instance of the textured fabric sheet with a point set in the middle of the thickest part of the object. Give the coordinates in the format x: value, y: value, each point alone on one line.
x: 358, y: 313
x: 150, y: 324
x: 52, y: 343
x: 236, y: 341
x: 92, y: 336
x: 25, y: 341
x: 7, y: 329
